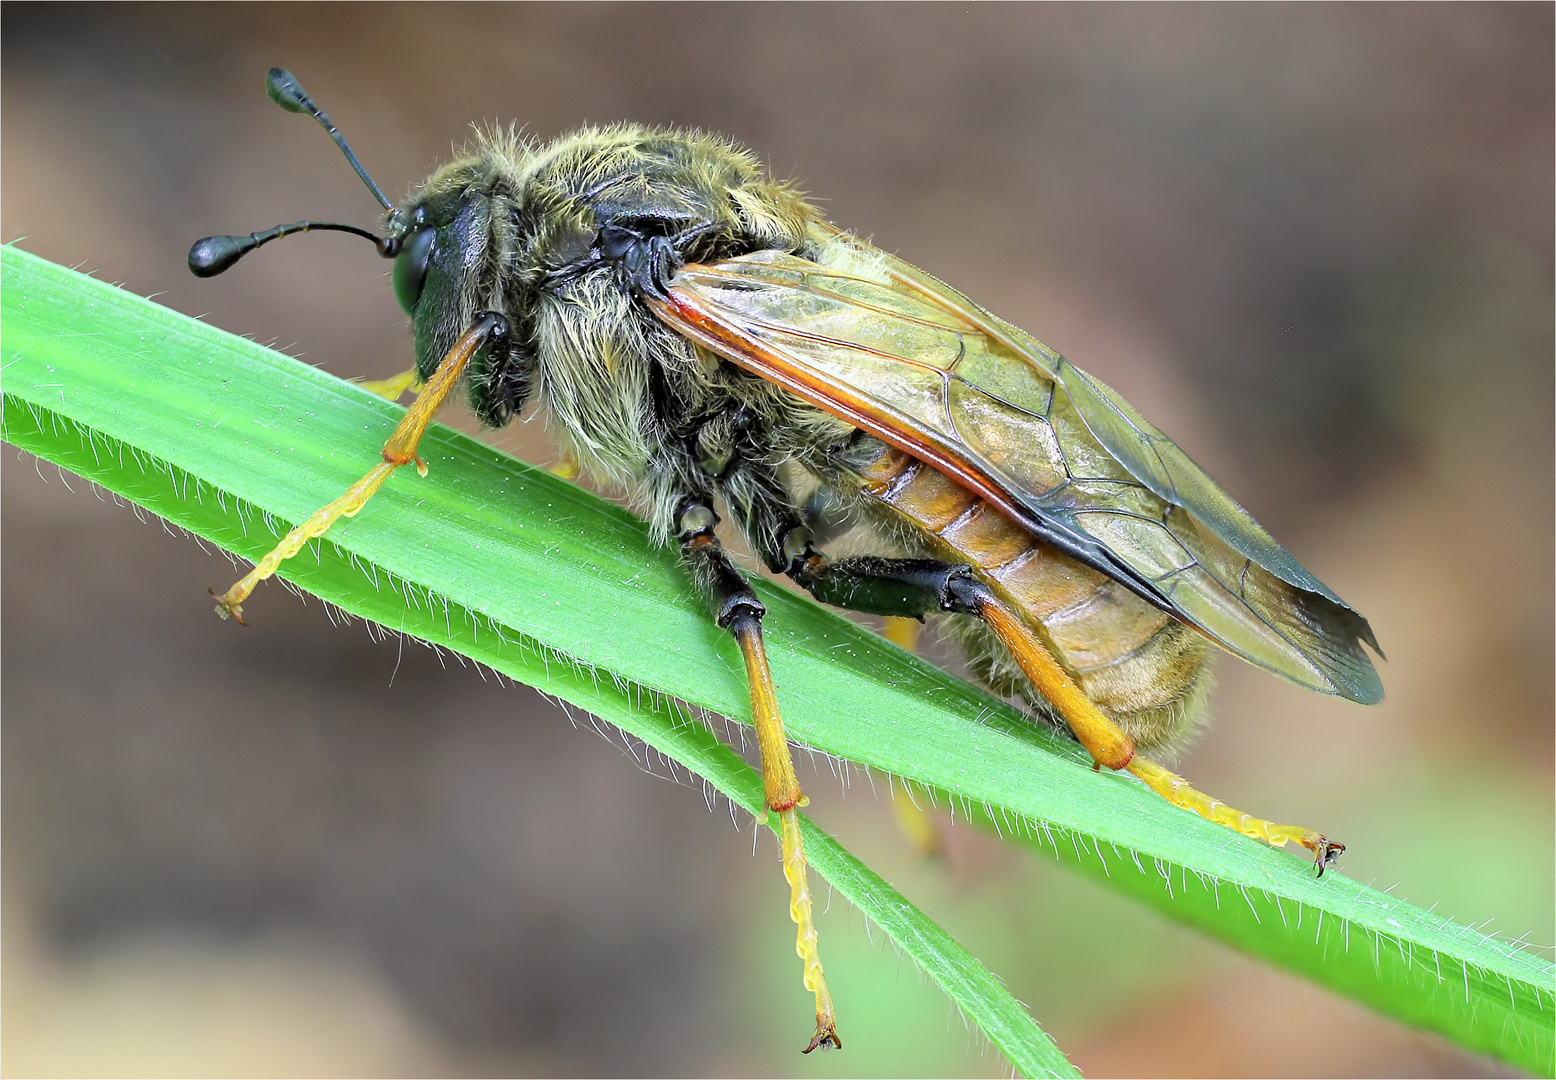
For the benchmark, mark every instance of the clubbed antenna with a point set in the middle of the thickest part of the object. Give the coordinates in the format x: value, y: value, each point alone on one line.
x: 287, y: 92
x: 214, y: 254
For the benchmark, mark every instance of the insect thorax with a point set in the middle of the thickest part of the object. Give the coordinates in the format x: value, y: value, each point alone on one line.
x: 519, y: 230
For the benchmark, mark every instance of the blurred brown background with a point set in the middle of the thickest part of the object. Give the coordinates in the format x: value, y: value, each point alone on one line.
x: 1313, y: 243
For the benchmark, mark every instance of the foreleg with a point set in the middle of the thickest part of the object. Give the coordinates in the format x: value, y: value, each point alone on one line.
x: 393, y: 387
x: 400, y: 449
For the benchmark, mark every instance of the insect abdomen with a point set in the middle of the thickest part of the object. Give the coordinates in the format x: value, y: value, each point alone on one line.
x: 1144, y: 668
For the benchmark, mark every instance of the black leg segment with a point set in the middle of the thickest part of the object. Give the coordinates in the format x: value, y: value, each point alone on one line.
x: 735, y: 607
x: 718, y: 579
x: 876, y: 584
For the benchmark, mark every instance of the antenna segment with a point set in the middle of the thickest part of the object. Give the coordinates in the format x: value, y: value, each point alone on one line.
x: 287, y: 92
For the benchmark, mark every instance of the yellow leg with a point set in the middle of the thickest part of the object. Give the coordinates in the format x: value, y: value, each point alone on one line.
x: 567, y: 467
x: 781, y: 790
x: 1176, y: 790
x: 1100, y: 736
x: 1111, y: 747
x: 900, y: 631
x: 400, y: 449
x: 915, y: 822
x: 393, y: 388
x: 794, y: 869
x: 229, y: 605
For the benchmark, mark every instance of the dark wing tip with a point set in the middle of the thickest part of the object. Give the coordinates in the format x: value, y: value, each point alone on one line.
x: 1346, y: 662
x: 1370, y: 638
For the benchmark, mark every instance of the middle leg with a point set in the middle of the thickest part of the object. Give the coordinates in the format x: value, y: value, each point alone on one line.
x: 735, y: 608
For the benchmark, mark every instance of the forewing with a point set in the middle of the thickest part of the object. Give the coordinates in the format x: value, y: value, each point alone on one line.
x: 897, y: 353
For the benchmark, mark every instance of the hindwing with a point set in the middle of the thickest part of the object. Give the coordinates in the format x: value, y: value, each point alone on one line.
x: 899, y: 354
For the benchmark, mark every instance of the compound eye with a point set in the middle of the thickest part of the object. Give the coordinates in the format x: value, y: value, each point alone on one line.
x: 410, y: 267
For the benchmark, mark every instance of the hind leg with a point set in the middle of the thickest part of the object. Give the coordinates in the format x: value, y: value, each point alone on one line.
x: 913, y: 587
x: 1110, y: 746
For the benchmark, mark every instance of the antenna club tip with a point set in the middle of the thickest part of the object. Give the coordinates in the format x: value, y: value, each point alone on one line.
x: 284, y: 89
x: 213, y: 254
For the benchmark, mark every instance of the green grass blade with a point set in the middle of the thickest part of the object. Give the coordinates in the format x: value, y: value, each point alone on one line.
x: 558, y: 588
x: 88, y: 328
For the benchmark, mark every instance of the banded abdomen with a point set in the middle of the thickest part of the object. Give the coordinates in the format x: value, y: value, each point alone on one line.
x: 1141, y: 666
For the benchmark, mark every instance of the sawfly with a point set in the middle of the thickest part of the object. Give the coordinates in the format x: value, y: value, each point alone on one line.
x: 702, y: 337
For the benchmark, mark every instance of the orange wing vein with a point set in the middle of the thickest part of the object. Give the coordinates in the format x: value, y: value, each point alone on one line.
x: 897, y: 353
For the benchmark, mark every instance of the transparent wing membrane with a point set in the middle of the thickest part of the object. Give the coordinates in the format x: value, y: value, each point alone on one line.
x: 908, y: 359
